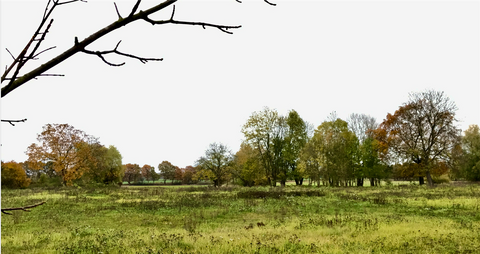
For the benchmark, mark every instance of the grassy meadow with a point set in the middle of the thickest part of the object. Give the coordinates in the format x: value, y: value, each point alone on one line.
x: 201, y: 219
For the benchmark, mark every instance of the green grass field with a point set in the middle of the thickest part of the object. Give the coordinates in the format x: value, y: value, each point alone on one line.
x: 387, y: 219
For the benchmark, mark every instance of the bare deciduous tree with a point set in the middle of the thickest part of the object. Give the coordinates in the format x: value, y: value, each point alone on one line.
x: 360, y: 124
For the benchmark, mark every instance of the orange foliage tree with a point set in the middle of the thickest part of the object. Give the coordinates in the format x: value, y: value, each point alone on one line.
x: 179, y: 174
x: 421, y: 131
x: 148, y: 172
x: 65, y: 147
x: 14, y: 176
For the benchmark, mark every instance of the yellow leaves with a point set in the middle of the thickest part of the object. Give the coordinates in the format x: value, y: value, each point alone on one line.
x: 14, y: 176
x: 65, y: 146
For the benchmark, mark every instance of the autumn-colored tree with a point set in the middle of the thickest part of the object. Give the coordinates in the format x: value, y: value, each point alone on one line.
x: 167, y: 171
x: 422, y: 131
x: 66, y: 147
x: 132, y: 173
x: 147, y: 172
x: 247, y: 167
x: 178, y: 174
x: 13, y: 175
x: 217, y: 162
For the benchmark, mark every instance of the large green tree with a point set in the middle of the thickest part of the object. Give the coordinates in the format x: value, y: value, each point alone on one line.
x: 105, y: 165
x: 295, y: 139
x: 470, y: 160
x: 247, y: 166
x: 338, y: 147
x: 167, y: 171
x: 260, y: 132
x: 216, y: 163
x: 310, y: 163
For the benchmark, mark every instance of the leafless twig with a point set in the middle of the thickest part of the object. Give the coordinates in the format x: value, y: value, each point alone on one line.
x: 43, y: 51
x: 21, y: 208
x: 14, y: 121
x: 134, y: 9
x: 118, y: 13
x: 67, y: 2
x: 10, y: 54
x: 270, y: 3
x: 222, y: 28
x: 115, y: 51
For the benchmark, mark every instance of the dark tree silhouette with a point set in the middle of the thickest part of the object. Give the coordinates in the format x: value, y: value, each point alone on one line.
x: 31, y: 51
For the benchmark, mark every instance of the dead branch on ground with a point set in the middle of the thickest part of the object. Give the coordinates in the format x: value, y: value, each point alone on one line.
x: 21, y: 208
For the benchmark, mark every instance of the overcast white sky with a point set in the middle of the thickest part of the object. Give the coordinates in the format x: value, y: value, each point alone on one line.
x: 312, y: 56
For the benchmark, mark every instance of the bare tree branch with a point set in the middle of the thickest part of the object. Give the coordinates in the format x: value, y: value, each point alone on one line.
x: 115, y: 51
x: 135, y: 8
x: 21, y: 59
x: 43, y: 51
x: 270, y: 3
x: 118, y: 13
x: 16, y: 81
x: 14, y: 121
x: 21, y: 208
x: 10, y: 54
x: 67, y: 2
x: 51, y: 75
x: 222, y: 28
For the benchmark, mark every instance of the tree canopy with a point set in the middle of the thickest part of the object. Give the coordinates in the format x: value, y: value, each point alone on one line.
x: 422, y: 131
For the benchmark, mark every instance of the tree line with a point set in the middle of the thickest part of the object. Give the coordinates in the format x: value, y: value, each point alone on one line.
x: 419, y: 140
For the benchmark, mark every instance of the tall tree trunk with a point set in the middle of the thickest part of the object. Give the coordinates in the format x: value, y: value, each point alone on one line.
x: 372, y: 181
x: 421, y: 181
x: 429, y: 178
